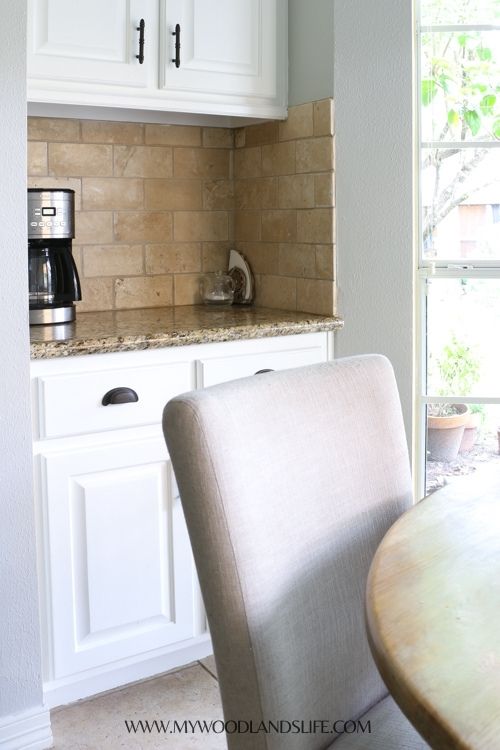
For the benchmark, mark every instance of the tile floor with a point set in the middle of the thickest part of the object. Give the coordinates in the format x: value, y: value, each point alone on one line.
x: 188, y: 694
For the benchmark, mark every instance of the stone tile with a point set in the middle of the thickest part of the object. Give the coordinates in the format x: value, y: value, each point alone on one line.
x: 315, y: 296
x: 248, y: 162
x: 239, y: 137
x: 209, y: 663
x: 325, y: 262
x: 278, y: 159
x: 261, y: 134
x: 208, y: 163
x: 66, y: 183
x: 142, y: 161
x: 215, y: 256
x: 296, y: 191
x: 299, y: 123
x: 189, y: 694
x: 297, y: 260
x: 218, y: 195
x: 173, y: 257
x: 187, y: 289
x: 143, y: 291
x: 218, y: 138
x: 231, y: 223
x: 278, y: 292
x: 143, y: 226
x: 126, y: 133
x: 315, y: 155
x: 113, y: 260
x: 192, y: 226
x: 97, y: 294
x: 279, y: 226
x: 93, y: 227
x: 257, y: 192
x: 112, y: 192
x: 173, y: 135
x: 53, y: 129
x: 247, y: 225
x: 173, y: 194
x: 263, y: 257
x: 37, y: 158
x: 80, y: 160
x: 315, y: 225
x: 324, y: 189
x: 323, y: 117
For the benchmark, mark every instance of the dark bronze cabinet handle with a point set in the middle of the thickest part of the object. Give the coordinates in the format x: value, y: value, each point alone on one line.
x: 259, y: 372
x: 140, y: 29
x: 177, y: 34
x: 119, y: 396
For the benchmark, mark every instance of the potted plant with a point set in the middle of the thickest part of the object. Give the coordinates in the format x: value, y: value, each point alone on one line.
x: 474, y: 421
x: 458, y: 371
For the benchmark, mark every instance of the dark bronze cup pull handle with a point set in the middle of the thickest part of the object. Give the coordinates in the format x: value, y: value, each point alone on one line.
x: 259, y: 372
x: 119, y: 396
x: 177, y: 34
x: 140, y: 29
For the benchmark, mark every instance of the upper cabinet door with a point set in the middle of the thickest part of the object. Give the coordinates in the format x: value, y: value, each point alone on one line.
x: 92, y: 41
x: 229, y: 47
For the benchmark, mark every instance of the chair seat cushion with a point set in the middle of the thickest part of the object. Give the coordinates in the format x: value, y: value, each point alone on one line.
x: 390, y: 730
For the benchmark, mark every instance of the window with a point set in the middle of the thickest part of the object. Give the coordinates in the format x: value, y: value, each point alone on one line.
x: 458, y: 299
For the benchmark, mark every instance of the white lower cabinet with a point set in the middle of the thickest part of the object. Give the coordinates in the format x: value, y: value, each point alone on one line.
x: 119, y: 557
x: 119, y: 594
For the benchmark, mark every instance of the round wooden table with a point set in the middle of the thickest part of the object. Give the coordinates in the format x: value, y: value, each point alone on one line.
x: 433, y: 614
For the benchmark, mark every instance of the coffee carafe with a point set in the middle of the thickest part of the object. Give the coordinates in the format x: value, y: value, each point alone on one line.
x: 53, y: 279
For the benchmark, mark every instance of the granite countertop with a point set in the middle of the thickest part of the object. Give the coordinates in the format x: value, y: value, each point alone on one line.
x: 154, y: 328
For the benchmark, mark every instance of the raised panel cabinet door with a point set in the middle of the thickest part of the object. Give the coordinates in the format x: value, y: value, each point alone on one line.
x: 119, y: 561
x: 228, y: 47
x: 92, y: 42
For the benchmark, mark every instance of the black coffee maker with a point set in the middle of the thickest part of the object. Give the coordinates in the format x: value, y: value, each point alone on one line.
x: 53, y: 279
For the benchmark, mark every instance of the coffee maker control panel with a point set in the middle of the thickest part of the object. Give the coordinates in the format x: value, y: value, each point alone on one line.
x: 51, y: 214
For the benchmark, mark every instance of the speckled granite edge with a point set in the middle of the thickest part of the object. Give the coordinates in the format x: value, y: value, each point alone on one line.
x: 183, y: 336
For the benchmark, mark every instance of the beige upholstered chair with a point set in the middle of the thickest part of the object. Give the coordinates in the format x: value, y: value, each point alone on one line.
x: 288, y: 481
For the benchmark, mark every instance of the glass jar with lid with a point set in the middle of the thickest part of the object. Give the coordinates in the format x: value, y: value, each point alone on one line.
x: 217, y: 289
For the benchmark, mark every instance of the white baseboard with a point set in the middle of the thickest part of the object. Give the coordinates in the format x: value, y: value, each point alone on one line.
x: 29, y: 730
x: 75, y: 687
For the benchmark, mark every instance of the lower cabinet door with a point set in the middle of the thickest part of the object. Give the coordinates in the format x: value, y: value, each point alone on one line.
x: 119, y: 561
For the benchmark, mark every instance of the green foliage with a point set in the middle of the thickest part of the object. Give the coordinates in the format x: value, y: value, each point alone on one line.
x: 496, y: 128
x: 459, y: 369
x: 460, y: 79
x: 429, y: 91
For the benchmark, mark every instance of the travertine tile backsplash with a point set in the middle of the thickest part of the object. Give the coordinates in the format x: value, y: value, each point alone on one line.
x: 284, y: 207
x: 158, y: 205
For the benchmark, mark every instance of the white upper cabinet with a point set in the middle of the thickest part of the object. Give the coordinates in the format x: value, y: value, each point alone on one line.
x: 231, y: 55
x: 92, y: 42
x: 229, y: 49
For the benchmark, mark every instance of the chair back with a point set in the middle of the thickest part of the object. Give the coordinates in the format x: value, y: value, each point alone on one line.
x: 288, y: 481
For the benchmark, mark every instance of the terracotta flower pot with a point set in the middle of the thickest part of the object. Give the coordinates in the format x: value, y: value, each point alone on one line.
x: 470, y: 432
x: 444, y: 434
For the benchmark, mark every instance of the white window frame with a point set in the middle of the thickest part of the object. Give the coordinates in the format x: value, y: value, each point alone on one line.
x: 435, y: 269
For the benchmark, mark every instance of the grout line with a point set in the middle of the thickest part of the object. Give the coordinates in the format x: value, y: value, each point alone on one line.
x: 209, y: 671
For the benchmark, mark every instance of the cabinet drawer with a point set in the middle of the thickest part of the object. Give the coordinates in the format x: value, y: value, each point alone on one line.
x: 72, y: 404
x: 221, y: 369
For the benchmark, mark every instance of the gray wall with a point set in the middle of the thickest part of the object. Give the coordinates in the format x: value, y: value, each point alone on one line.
x: 373, y: 125
x: 20, y: 677
x: 310, y: 50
